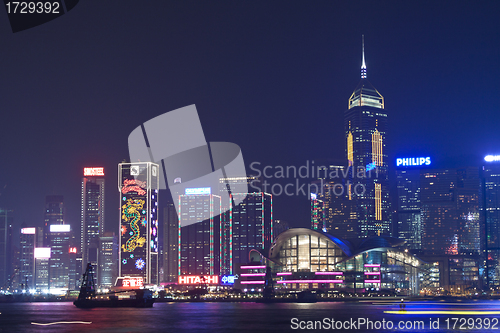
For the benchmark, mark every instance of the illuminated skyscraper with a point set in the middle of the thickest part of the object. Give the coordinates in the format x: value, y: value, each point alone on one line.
x: 250, y: 227
x: 42, y: 257
x: 59, y: 241
x: 450, y: 211
x: 108, y: 259
x: 170, y: 243
x: 92, y: 224
x: 27, y: 257
x: 451, y: 224
x: 332, y: 189
x: 5, y: 245
x: 199, y: 242
x: 365, y: 123
x: 491, y: 209
x: 409, y: 222
x: 247, y: 225
x: 138, y: 185
x: 279, y: 226
x: 317, y: 213
x: 54, y: 214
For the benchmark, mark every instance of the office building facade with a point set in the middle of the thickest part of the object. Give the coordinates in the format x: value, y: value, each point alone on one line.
x: 199, y: 241
x: 170, y: 243
x: 333, y: 189
x: 408, y: 213
x: 108, y: 260
x: 317, y: 213
x: 6, y: 269
x: 92, y: 214
x: 42, y: 261
x: 54, y: 214
x: 59, y: 261
x: 490, y: 191
x: 250, y: 226
x: 450, y: 211
x: 451, y: 226
x: 27, y: 245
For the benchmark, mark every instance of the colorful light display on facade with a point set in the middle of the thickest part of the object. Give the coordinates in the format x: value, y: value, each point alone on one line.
x: 139, y: 222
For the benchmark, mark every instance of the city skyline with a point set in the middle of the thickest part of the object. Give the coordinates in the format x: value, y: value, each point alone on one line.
x: 296, y: 59
x: 191, y: 165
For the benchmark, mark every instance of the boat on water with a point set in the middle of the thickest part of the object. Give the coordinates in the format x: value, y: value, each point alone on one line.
x: 138, y: 298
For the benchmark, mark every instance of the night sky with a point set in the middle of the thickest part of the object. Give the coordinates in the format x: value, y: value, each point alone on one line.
x: 273, y: 77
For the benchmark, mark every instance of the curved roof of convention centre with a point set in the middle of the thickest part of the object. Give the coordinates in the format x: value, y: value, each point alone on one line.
x: 344, y: 245
x: 378, y: 241
x: 347, y: 247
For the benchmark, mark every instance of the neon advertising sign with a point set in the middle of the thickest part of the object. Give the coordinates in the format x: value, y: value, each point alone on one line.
x: 132, y: 282
x: 60, y: 228
x: 198, y: 190
x: 134, y: 185
x: 228, y: 280
x: 93, y: 171
x: 72, y: 250
x: 42, y: 252
x: 413, y: 161
x: 199, y: 279
x: 28, y: 231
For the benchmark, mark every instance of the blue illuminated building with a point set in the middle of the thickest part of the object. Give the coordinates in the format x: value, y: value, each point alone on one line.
x: 491, y: 208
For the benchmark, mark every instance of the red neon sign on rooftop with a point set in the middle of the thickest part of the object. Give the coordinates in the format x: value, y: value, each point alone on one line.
x: 93, y: 171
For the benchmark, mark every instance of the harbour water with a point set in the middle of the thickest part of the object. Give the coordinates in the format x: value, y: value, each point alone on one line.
x: 254, y: 317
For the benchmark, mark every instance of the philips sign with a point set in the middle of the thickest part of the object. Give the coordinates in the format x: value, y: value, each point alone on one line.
x: 198, y: 190
x: 413, y: 161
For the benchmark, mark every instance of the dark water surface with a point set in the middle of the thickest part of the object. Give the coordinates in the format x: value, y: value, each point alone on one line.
x: 248, y: 317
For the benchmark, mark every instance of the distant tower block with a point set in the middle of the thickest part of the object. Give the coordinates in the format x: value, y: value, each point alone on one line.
x: 92, y: 224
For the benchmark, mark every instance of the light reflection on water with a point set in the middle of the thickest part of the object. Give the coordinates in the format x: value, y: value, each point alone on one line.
x: 221, y: 317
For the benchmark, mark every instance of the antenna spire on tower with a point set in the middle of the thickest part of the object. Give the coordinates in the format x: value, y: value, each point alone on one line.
x: 363, y: 65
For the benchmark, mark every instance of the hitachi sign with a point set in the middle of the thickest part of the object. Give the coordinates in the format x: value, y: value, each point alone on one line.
x: 199, y: 279
x: 413, y: 161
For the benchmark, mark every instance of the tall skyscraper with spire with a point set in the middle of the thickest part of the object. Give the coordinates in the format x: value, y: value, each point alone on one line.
x: 365, y: 122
